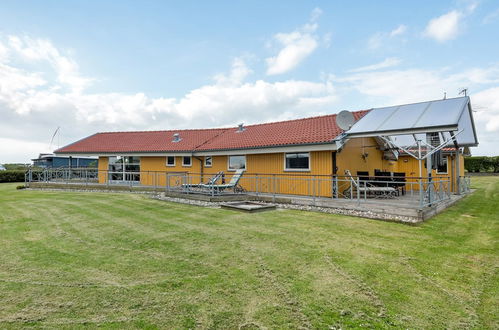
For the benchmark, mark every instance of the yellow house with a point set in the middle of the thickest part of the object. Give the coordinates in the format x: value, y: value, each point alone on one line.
x: 290, y: 157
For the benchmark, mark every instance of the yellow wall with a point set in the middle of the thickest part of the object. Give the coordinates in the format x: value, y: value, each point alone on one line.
x: 103, y: 167
x: 350, y: 157
x: 410, y: 166
x: 153, y: 171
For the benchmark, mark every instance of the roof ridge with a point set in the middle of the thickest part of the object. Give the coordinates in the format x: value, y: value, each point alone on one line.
x: 300, y: 119
x: 165, y: 130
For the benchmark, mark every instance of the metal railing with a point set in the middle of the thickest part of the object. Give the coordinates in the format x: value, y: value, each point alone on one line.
x: 420, y: 191
x: 464, y: 184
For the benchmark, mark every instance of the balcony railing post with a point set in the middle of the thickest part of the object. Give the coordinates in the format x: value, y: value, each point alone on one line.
x: 312, y: 182
x: 421, y: 193
x: 358, y: 190
x: 256, y: 184
x: 273, y: 187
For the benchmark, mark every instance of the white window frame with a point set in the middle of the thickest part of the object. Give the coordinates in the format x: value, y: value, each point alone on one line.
x: 446, y: 166
x: 205, y: 158
x: 123, y: 170
x: 183, y: 161
x: 298, y: 169
x: 235, y: 169
x: 174, y: 161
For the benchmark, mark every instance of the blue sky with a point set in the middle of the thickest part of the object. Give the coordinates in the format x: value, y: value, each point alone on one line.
x: 92, y: 66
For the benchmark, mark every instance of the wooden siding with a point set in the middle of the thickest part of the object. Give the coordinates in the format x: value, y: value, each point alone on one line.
x: 350, y: 158
x: 102, y: 167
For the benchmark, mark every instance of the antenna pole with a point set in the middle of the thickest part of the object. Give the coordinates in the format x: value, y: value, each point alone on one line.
x: 53, y: 136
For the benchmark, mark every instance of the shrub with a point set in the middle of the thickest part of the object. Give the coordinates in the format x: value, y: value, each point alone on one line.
x: 474, y: 164
x: 12, y: 176
x: 482, y: 164
x: 495, y: 164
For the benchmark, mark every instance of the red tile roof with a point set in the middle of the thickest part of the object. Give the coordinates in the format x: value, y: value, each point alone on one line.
x: 312, y: 130
x: 146, y: 141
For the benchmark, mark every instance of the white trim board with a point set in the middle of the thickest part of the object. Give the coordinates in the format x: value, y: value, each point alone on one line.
x: 270, y: 150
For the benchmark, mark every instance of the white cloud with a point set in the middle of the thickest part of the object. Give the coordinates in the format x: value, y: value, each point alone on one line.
x: 42, y: 50
x: 380, y: 38
x: 4, y: 53
x: 316, y: 13
x: 448, y: 26
x: 237, y: 74
x: 387, y: 63
x: 491, y: 17
x: 445, y: 27
x: 35, y: 103
x: 398, y: 31
x: 413, y: 85
x: 13, y: 146
x: 486, y: 103
x: 296, y: 46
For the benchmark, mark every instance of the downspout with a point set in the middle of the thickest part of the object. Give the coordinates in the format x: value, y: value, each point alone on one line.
x: 334, y: 190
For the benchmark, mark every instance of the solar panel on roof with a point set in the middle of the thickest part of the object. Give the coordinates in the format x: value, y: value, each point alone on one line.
x: 433, y: 116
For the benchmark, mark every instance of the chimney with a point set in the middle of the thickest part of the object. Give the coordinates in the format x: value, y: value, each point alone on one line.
x: 240, y: 128
x: 176, y: 137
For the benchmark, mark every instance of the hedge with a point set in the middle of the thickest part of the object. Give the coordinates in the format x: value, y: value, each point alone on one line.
x: 12, y: 176
x: 482, y: 164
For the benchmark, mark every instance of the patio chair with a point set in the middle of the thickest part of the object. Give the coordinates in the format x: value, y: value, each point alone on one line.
x: 234, y: 181
x: 213, y: 180
x: 363, y: 177
x: 399, y: 181
x: 383, y: 179
x: 368, y: 188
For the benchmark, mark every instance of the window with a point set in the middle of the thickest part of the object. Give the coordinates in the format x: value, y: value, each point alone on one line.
x: 170, y: 161
x: 297, y: 162
x: 186, y: 161
x: 237, y: 162
x: 442, y: 167
x: 124, y: 168
x: 208, y: 161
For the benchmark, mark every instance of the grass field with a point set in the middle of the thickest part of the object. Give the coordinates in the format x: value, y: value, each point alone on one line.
x: 72, y: 259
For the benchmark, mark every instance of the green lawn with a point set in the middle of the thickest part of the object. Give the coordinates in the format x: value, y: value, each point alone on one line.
x: 121, y: 260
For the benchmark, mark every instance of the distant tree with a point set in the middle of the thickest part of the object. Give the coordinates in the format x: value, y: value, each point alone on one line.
x: 16, y: 166
x: 482, y: 164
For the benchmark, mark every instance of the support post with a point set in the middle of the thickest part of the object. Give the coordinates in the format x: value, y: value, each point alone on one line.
x: 458, y: 173
x: 358, y: 190
x: 421, y: 193
x: 428, y: 173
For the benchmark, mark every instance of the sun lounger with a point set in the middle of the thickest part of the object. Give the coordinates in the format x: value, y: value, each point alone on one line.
x: 213, y: 180
x: 221, y: 187
x: 367, y: 188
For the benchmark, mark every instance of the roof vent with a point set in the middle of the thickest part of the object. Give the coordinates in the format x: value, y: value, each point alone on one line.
x: 240, y: 128
x: 176, y: 137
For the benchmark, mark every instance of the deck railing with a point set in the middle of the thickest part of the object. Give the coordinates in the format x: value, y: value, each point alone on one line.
x: 422, y: 191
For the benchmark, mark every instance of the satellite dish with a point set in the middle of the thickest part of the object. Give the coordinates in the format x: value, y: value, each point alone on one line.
x: 345, y: 120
